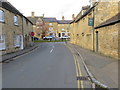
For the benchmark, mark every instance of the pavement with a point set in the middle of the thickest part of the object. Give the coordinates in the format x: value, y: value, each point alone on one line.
x: 18, y: 53
x: 103, y: 68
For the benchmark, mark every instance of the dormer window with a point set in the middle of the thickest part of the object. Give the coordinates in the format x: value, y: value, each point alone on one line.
x: 1, y: 16
x: 15, y: 20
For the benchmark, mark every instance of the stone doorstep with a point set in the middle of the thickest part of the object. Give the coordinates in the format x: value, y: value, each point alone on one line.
x: 10, y: 56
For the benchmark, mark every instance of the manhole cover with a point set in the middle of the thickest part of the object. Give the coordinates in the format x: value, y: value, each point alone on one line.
x: 82, y: 78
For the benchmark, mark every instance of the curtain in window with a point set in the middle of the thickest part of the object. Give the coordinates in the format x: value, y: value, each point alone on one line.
x: 17, y: 41
x: 2, y: 42
x: 1, y: 16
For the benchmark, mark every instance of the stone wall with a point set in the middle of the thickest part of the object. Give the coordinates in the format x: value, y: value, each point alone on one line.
x: 27, y: 28
x: 108, y: 40
x: 9, y: 30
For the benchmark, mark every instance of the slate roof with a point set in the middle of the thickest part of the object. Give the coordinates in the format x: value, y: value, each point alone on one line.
x: 64, y: 21
x: 47, y: 19
x: 85, y: 7
x: 33, y: 19
x: 115, y: 19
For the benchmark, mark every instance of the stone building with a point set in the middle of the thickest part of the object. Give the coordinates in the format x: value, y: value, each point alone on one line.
x: 12, y: 28
x: 56, y: 28
x: 96, y: 28
x: 107, y: 24
x: 63, y: 27
x: 35, y: 19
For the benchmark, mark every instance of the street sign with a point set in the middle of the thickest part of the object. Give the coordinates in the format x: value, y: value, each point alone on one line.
x: 90, y: 21
x: 32, y: 34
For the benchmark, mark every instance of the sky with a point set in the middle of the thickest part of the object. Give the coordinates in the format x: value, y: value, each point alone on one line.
x: 50, y: 8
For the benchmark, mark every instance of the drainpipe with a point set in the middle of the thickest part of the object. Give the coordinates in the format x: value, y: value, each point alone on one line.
x: 93, y: 16
x: 23, y: 31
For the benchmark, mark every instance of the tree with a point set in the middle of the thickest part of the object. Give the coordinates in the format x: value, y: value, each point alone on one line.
x: 42, y: 28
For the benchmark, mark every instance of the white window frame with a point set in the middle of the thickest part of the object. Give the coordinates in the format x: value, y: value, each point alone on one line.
x: 63, y: 29
x: 2, y: 42
x: 50, y: 24
x: 17, y: 41
x: 1, y: 16
x: 15, y: 20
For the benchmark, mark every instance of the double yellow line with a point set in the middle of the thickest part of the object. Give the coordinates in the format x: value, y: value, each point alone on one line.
x: 78, y: 71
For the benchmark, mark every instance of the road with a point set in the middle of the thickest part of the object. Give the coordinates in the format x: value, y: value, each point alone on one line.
x: 52, y: 65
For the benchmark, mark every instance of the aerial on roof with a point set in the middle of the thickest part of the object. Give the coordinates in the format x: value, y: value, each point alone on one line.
x: 64, y: 21
x: 47, y: 19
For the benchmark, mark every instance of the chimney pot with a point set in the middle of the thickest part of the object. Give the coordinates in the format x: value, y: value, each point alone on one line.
x: 73, y: 16
x: 63, y: 18
x: 33, y: 14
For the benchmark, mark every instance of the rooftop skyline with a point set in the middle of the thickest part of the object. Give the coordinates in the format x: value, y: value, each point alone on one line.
x: 50, y: 8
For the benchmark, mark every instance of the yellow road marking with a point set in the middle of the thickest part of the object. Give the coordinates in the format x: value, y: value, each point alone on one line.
x: 78, y: 70
x: 82, y: 86
x: 78, y: 82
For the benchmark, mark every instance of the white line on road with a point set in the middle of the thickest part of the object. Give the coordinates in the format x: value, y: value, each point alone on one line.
x: 53, y: 46
x: 51, y: 51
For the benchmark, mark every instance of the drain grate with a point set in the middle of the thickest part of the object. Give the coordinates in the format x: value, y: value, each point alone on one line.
x: 83, y: 78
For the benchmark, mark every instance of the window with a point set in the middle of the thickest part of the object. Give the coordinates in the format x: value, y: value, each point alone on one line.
x: 16, y: 40
x: 1, y: 16
x: 50, y: 24
x: 50, y: 29
x: 15, y: 20
x: 2, y: 42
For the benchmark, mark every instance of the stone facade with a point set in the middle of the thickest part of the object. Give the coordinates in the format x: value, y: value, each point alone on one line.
x: 103, y: 39
x: 52, y: 28
x: 63, y: 27
x: 9, y: 30
x: 27, y: 29
x: 12, y: 32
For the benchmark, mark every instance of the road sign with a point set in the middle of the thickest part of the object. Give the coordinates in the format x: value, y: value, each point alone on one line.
x: 32, y: 34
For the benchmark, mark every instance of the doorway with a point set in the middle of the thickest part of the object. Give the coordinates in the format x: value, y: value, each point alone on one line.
x: 97, y: 43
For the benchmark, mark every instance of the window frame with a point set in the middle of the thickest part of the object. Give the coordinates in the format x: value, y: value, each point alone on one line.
x: 16, y: 20
x: 2, y: 43
x: 2, y: 19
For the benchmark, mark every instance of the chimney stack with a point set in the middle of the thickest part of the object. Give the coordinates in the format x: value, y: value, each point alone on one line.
x: 43, y: 15
x: 33, y: 14
x: 73, y: 16
x: 63, y: 18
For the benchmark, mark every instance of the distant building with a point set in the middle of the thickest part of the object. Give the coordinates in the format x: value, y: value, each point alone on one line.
x: 35, y: 19
x: 52, y: 25
x: 63, y: 27
x: 57, y: 28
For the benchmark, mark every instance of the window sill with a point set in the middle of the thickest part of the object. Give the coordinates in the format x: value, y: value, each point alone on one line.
x: 16, y: 25
x: 2, y: 22
x: 3, y: 50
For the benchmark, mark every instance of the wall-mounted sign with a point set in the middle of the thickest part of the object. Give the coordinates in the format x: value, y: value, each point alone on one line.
x: 90, y: 21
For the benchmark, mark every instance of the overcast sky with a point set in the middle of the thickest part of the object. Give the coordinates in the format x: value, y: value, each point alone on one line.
x: 51, y: 8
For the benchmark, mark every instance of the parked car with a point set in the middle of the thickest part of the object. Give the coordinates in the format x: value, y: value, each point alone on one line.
x: 35, y: 38
x: 65, y: 37
x: 48, y: 38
